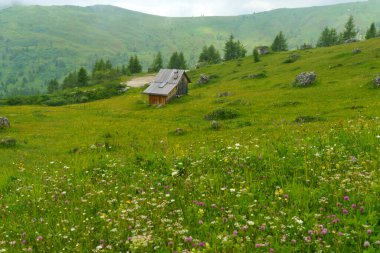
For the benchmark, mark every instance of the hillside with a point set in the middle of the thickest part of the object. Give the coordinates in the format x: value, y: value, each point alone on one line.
x: 295, y: 169
x: 41, y: 43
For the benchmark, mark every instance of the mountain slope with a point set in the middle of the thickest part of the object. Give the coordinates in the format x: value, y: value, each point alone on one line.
x: 118, y: 175
x: 41, y: 43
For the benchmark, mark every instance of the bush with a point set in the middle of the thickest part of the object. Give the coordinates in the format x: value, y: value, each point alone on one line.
x: 222, y: 114
x: 307, y: 119
x: 7, y: 142
x: 292, y: 58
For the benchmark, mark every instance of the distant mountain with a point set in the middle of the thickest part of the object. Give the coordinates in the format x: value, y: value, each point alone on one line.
x: 40, y: 43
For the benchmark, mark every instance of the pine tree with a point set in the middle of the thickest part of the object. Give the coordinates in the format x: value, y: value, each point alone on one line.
x: 213, y: 55
x: 177, y: 61
x: 82, y: 77
x: 256, y: 57
x: 371, y: 32
x: 71, y: 80
x: 209, y: 55
x: 230, y: 49
x: 157, y: 63
x: 137, y: 66
x: 233, y: 50
x: 350, y: 31
x: 279, y: 43
x: 53, y: 86
x: 329, y: 37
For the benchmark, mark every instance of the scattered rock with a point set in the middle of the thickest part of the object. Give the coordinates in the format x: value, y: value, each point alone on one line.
x: 4, y: 122
x: 179, y: 131
x: 8, y: 142
x: 306, y: 46
x: 224, y: 94
x: 305, y: 79
x: 262, y: 50
x: 203, y: 79
x: 356, y: 51
x: 377, y: 81
x: 216, y: 125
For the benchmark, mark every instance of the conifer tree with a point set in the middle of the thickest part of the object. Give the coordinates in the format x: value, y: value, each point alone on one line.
x: 279, y: 43
x: 177, y: 61
x: 82, y: 77
x: 53, y: 86
x: 371, y: 32
x: 157, y: 63
x: 233, y: 50
x: 329, y: 37
x: 349, y: 31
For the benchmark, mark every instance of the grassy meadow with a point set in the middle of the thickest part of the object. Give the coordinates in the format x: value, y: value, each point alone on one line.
x: 292, y: 170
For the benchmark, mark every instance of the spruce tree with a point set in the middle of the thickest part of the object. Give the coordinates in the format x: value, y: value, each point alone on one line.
x: 157, y: 63
x: 371, y: 32
x: 329, y: 37
x: 53, y: 86
x: 279, y: 43
x: 230, y: 49
x: 349, y: 31
x: 136, y: 64
x: 82, y: 77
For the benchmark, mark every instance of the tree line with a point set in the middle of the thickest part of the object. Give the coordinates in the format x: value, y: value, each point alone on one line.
x: 233, y: 49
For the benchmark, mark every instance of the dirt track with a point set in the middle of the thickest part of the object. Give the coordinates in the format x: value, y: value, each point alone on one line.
x: 140, y: 81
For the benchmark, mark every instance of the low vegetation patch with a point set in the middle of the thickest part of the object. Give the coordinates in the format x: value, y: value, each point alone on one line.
x: 292, y: 58
x: 8, y: 142
x: 222, y: 114
x: 260, y: 75
x: 307, y: 119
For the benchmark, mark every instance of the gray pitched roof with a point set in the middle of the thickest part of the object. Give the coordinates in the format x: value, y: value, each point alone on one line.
x: 166, y: 80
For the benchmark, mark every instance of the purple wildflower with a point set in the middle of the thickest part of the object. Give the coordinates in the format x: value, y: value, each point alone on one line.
x: 346, y: 198
x: 344, y: 211
x: 235, y: 233
x: 324, y: 231
x: 39, y: 238
x: 366, y: 244
x: 189, y: 239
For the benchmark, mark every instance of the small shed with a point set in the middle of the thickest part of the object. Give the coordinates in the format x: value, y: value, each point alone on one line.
x: 168, y: 83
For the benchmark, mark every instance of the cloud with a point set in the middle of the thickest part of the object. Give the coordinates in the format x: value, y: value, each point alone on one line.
x: 185, y: 7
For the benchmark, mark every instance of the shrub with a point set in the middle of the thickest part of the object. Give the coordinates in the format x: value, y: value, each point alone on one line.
x: 222, y: 114
x: 292, y: 58
x: 307, y: 119
x: 7, y: 142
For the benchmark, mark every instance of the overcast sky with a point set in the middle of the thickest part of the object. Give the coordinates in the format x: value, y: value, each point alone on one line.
x: 186, y: 7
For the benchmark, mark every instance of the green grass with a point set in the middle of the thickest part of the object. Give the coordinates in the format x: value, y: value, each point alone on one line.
x: 113, y: 175
x: 38, y: 43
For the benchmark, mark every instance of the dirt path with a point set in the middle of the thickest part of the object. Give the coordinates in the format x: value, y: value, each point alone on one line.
x: 140, y: 81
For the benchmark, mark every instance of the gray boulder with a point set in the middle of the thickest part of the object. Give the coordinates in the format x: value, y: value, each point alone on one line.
x: 203, y: 79
x: 4, y: 122
x: 305, y: 79
x: 377, y: 81
x: 356, y: 51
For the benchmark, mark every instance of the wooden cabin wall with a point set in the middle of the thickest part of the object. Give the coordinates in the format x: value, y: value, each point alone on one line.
x: 157, y: 100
